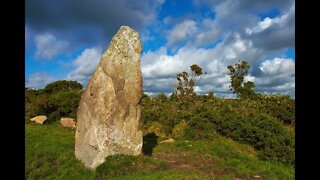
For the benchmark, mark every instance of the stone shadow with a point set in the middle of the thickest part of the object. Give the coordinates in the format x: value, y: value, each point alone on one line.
x: 150, y: 141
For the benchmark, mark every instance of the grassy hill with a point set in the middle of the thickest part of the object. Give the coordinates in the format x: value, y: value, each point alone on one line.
x: 244, y: 138
x: 50, y: 155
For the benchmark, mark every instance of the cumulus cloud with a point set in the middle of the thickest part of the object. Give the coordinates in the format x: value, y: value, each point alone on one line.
x: 159, y: 68
x: 159, y: 64
x: 243, y: 6
x: 243, y: 18
x: 48, y: 46
x: 236, y: 31
x: 277, y: 75
x: 85, y: 65
x: 274, y: 33
x: 181, y: 31
x: 209, y: 32
x: 278, y: 66
x: 75, y: 20
x: 39, y: 80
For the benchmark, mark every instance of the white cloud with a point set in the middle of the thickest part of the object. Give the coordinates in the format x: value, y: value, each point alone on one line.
x: 209, y: 32
x: 83, y: 21
x: 85, y: 65
x: 181, y: 31
x: 48, y: 46
x: 280, y: 21
x: 39, y: 80
x: 278, y: 66
x: 241, y: 34
x: 267, y: 22
x: 159, y: 64
x: 159, y: 68
x: 274, y: 33
x: 167, y: 20
x: 277, y: 75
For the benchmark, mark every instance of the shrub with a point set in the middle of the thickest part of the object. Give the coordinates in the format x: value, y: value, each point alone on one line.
x: 60, y: 98
x: 280, y: 106
x: 54, y: 116
x: 199, y: 128
x: 58, y: 86
x: 179, y: 130
x: 264, y: 133
x: 66, y: 102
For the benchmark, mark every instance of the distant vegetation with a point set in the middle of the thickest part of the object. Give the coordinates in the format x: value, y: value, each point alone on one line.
x: 56, y: 100
x: 264, y: 122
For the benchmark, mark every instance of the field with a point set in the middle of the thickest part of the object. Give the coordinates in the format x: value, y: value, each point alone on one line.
x: 49, y: 153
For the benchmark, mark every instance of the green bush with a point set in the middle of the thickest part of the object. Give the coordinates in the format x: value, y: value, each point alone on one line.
x: 199, y: 128
x: 66, y: 102
x: 57, y: 99
x: 264, y: 133
x: 280, y: 106
x: 62, y: 85
x: 54, y: 116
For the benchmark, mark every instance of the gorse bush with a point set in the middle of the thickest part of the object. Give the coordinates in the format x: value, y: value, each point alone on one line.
x: 279, y: 106
x: 199, y: 128
x: 246, y: 121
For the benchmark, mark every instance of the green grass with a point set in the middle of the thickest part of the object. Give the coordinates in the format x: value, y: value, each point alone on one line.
x: 50, y: 155
x: 49, y: 152
x: 229, y: 159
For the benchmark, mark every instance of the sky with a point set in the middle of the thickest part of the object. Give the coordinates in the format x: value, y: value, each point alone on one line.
x: 64, y: 40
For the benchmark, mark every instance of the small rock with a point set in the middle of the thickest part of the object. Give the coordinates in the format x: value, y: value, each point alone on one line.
x: 39, y: 119
x: 68, y: 122
x: 257, y: 177
x: 168, y: 141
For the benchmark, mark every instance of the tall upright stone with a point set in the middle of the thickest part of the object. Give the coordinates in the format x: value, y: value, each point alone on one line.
x: 108, y: 118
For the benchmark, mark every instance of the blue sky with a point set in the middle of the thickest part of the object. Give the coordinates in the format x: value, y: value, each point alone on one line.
x: 65, y: 40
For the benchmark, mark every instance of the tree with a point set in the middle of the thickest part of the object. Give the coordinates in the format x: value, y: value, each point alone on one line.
x: 238, y: 86
x: 185, y: 86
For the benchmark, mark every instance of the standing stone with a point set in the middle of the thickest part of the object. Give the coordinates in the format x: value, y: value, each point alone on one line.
x: 108, y: 118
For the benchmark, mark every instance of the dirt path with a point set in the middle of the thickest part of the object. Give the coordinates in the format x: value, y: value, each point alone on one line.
x: 203, y: 164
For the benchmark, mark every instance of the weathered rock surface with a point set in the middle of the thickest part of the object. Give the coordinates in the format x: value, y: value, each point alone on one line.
x: 68, y: 122
x: 108, y: 118
x: 168, y: 141
x: 39, y: 119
